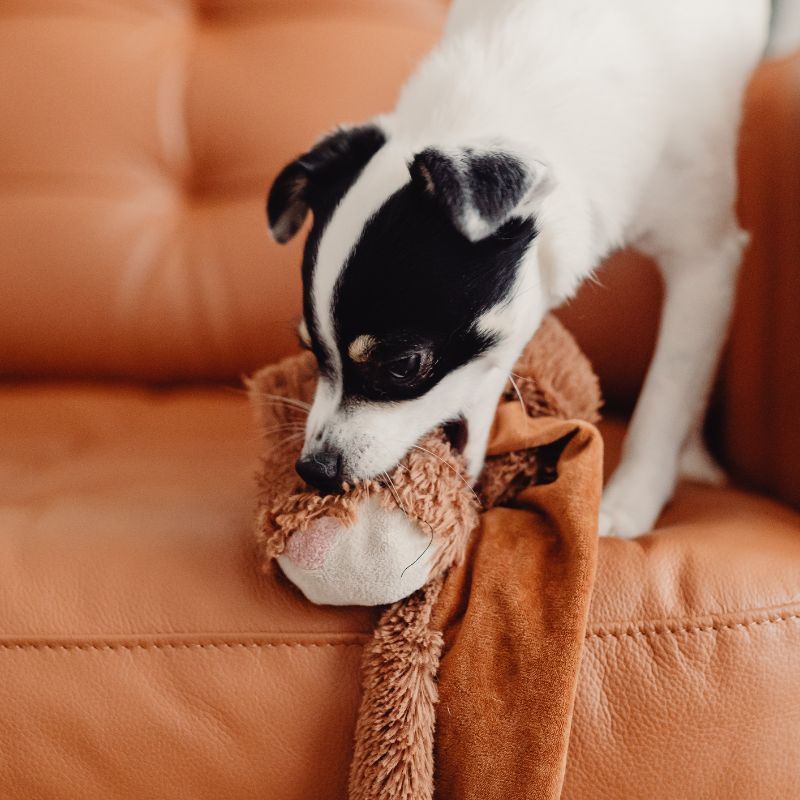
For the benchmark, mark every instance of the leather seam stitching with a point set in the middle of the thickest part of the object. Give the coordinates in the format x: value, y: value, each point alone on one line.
x: 674, y: 630
x: 638, y: 631
x: 92, y: 646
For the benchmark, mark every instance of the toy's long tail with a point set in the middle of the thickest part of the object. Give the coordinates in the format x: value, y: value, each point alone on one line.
x: 393, y: 758
x: 785, y: 36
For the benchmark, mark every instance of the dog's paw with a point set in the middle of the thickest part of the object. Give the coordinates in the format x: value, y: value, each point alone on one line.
x: 697, y: 464
x: 621, y: 523
x: 634, y: 498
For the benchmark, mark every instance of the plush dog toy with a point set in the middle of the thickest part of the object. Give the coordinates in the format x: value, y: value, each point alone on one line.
x: 391, y: 541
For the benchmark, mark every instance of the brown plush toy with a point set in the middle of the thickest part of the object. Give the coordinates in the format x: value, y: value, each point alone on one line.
x: 393, y: 541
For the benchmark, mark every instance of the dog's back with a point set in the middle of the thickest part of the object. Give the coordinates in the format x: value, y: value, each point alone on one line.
x: 602, y: 90
x: 536, y: 137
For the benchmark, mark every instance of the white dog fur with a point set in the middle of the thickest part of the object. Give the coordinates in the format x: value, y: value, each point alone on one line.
x: 627, y: 113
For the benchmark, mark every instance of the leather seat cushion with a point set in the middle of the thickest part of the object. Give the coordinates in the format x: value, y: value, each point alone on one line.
x: 144, y: 655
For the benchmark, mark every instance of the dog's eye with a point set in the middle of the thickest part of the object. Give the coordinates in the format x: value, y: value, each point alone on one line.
x: 404, y: 369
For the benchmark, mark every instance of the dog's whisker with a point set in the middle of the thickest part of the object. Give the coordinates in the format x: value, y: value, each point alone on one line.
x: 295, y: 415
x: 289, y: 439
x: 293, y: 426
x: 518, y: 392
x: 278, y: 401
x: 452, y: 468
x: 394, y: 492
x: 281, y: 418
x: 239, y: 390
x: 287, y: 401
x: 295, y: 435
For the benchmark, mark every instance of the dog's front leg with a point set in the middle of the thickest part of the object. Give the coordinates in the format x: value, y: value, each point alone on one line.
x: 699, y: 291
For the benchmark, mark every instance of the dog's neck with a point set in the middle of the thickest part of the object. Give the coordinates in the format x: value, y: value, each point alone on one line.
x: 512, y: 77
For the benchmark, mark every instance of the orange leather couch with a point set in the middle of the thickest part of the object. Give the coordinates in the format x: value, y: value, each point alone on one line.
x: 141, y: 653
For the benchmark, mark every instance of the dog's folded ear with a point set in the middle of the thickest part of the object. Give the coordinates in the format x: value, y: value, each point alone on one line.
x: 481, y: 188
x: 323, y: 173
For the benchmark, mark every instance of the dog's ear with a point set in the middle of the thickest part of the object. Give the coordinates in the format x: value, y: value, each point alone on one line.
x: 481, y: 188
x: 326, y: 170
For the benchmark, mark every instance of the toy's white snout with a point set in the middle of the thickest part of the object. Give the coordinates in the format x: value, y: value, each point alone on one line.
x: 381, y: 558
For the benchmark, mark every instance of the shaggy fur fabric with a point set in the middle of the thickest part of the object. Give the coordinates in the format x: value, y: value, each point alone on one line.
x: 398, y: 732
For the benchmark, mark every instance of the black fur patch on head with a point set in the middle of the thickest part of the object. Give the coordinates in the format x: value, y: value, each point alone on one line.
x: 318, y: 180
x: 438, y: 175
x: 417, y: 285
x: 477, y: 189
x: 497, y: 182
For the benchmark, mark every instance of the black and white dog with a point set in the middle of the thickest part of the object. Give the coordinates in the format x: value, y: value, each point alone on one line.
x: 537, y: 137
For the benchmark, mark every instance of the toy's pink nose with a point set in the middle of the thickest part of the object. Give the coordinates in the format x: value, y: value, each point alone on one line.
x: 307, y: 549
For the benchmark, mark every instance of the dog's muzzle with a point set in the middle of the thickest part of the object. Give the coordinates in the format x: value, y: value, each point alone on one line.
x: 322, y: 470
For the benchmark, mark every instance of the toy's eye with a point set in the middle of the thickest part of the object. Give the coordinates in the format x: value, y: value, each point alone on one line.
x: 404, y: 369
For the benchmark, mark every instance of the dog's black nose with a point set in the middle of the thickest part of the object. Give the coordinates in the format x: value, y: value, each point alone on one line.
x: 322, y: 470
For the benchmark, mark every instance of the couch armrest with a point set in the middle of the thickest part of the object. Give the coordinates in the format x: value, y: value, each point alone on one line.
x: 761, y: 383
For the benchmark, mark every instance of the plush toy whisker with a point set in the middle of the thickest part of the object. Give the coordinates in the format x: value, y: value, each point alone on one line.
x: 427, y: 547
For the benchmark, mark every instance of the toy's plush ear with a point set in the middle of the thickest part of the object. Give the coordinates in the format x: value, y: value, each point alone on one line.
x: 323, y: 173
x: 481, y: 188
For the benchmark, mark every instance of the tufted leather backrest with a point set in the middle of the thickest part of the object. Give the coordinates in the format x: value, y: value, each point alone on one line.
x: 137, y: 141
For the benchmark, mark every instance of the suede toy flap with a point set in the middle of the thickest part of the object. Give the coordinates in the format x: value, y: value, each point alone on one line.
x: 513, y: 614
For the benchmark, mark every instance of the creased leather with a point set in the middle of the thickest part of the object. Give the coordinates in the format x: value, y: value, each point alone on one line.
x: 143, y: 655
